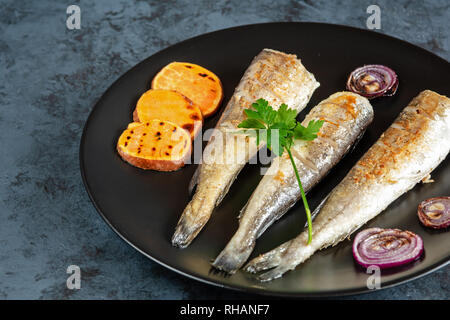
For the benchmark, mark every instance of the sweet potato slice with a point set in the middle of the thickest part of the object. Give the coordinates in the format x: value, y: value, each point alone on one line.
x: 156, y: 144
x: 195, y: 82
x: 171, y: 106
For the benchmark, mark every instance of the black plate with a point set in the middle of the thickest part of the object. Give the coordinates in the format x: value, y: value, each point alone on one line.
x: 143, y: 206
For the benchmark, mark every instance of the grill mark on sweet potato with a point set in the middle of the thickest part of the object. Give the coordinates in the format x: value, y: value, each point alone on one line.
x: 188, y: 127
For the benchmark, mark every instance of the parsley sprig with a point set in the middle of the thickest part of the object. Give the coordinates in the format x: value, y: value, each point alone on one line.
x: 263, y: 121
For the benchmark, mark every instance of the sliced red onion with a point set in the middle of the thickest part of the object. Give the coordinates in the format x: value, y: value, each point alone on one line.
x: 386, y: 248
x: 372, y: 81
x: 435, y: 212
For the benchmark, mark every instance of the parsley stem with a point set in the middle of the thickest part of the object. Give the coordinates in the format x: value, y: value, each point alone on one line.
x: 305, y: 203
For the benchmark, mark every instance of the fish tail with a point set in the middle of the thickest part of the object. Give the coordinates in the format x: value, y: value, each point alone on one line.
x: 268, y: 260
x: 187, y: 228
x: 283, y: 258
x: 230, y: 259
x: 274, y: 273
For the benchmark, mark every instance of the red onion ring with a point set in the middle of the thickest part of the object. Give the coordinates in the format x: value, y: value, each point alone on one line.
x: 372, y: 81
x: 435, y: 212
x: 386, y: 248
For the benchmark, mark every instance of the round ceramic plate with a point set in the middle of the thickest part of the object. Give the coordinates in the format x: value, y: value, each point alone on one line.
x: 143, y: 207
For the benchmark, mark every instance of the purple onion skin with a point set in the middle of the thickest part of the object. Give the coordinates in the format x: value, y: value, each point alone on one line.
x: 441, y: 222
x: 386, y: 262
x: 384, y: 76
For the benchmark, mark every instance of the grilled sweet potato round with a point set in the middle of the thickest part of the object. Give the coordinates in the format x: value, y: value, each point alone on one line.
x: 156, y: 144
x: 171, y: 106
x: 195, y: 82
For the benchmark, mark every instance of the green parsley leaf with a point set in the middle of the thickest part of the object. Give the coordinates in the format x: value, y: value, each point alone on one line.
x: 263, y: 112
x: 279, y: 128
x: 286, y: 116
x: 251, y: 123
x: 308, y: 133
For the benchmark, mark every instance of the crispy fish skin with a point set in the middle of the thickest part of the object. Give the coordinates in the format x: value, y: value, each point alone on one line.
x: 272, y: 75
x: 346, y: 116
x: 412, y: 147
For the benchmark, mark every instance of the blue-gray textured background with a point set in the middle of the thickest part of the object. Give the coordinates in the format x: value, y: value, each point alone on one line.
x: 50, y: 78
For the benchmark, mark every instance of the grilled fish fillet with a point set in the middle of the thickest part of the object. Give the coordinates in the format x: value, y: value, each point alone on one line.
x: 272, y: 75
x: 406, y: 152
x: 346, y: 116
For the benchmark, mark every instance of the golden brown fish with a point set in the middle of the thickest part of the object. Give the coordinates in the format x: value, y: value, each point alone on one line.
x: 274, y: 76
x: 346, y: 116
x: 413, y: 146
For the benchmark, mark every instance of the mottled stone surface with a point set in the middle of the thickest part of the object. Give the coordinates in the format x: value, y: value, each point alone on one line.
x: 50, y: 79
